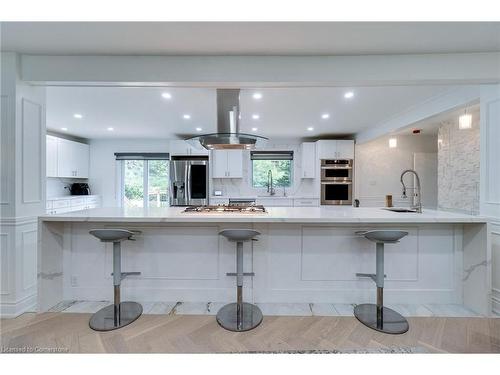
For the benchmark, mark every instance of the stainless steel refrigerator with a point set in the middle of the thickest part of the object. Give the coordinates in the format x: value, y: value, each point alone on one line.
x: 189, y: 181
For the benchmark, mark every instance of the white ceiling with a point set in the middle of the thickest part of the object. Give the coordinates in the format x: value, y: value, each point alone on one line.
x: 138, y: 112
x: 249, y: 38
x: 431, y: 125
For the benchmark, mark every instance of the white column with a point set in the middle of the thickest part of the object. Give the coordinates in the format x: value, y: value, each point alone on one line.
x: 22, y: 187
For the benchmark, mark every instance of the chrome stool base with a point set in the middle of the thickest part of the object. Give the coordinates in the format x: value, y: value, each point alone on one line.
x: 227, y: 317
x: 104, y: 319
x: 390, y: 322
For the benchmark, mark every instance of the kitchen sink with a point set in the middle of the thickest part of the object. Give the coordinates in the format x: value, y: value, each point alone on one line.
x: 399, y: 209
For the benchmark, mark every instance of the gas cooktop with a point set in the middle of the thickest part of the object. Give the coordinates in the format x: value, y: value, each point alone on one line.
x: 250, y: 209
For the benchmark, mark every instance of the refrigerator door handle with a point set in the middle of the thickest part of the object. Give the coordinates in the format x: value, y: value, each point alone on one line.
x: 188, y: 183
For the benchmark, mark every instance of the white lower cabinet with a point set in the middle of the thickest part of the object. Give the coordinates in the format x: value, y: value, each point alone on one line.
x: 71, y: 203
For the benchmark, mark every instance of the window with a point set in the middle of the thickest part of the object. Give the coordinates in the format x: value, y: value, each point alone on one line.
x: 278, y: 162
x: 144, y: 180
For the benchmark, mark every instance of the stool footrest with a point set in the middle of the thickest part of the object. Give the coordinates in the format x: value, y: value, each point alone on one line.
x: 125, y: 274
x: 244, y: 274
x: 370, y: 275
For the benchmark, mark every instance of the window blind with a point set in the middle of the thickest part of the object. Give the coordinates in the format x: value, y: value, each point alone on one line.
x: 142, y: 156
x: 271, y: 155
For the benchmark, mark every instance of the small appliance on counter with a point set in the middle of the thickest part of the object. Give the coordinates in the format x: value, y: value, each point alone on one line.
x: 79, y: 188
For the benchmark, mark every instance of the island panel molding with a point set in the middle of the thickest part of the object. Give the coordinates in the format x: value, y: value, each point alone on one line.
x: 334, y: 254
x: 32, y: 147
x: 440, y: 261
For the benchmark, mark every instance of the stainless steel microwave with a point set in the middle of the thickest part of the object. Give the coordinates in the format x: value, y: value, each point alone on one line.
x: 336, y: 169
x: 336, y: 181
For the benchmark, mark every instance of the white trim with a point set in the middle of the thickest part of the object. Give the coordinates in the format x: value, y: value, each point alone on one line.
x: 16, y: 308
x: 17, y: 221
x: 4, y: 291
x: 488, y: 160
x: 23, y: 156
x: 263, y: 71
x: 5, y: 196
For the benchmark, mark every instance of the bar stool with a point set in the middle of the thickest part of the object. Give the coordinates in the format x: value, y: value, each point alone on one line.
x: 376, y: 316
x: 239, y: 316
x: 119, y: 314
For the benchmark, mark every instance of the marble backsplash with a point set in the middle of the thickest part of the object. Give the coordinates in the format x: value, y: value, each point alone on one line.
x: 242, y: 187
x: 458, y: 167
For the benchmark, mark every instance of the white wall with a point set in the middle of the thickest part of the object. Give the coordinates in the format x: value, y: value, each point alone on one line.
x: 103, y: 166
x: 378, y: 167
x: 22, y: 188
x: 490, y: 178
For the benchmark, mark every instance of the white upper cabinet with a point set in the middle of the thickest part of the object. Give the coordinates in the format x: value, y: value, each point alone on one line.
x: 345, y: 149
x: 181, y: 147
x: 227, y: 164
x: 51, y: 153
x: 335, y: 149
x: 72, y: 159
x: 308, y: 157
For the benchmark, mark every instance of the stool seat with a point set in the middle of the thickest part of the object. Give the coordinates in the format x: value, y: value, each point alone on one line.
x: 112, y: 235
x: 383, y: 236
x: 239, y: 235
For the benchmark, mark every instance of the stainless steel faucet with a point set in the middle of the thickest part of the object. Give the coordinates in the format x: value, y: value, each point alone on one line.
x: 417, y: 197
x: 270, y: 187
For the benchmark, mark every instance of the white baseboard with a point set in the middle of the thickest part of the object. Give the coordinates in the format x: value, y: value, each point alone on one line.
x: 14, y: 309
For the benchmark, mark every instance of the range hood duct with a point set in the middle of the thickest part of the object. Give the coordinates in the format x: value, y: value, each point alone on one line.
x: 228, y: 134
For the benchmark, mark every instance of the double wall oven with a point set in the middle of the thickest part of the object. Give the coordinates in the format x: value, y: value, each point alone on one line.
x: 336, y: 181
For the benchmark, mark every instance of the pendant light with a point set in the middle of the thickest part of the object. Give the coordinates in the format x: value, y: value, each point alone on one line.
x: 465, y: 121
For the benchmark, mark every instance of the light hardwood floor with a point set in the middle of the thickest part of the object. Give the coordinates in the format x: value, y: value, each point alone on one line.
x: 201, y: 334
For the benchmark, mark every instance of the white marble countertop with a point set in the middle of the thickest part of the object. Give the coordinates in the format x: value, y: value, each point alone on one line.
x: 274, y: 214
x: 265, y: 197
x: 71, y: 197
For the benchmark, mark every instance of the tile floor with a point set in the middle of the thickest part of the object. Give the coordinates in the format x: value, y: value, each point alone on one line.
x: 269, y: 309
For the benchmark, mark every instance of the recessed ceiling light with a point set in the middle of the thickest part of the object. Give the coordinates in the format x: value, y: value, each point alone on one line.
x: 310, y: 129
x: 349, y: 95
x: 64, y: 129
x: 257, y: 96
x: 166, y: 95
x: 199, y: 129
x: 187, y: 117
x: 325, y: 116
x: 111, y: 129
x: 78, y: 116
x: 255, y: 117
x: 254, y: 129
x: 393, y: 142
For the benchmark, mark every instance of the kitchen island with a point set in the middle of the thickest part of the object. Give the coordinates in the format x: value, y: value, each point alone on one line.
x: 304, y: 254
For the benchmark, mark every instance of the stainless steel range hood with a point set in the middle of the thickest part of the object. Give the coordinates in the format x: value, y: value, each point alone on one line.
x: 228, y: 134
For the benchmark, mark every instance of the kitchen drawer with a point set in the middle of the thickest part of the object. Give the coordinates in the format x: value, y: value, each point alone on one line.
x: 61, y: 203
x: 75, y: 202
x: 276, y: 202
x: 306, y: 202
